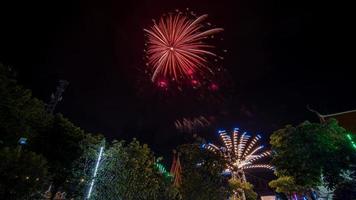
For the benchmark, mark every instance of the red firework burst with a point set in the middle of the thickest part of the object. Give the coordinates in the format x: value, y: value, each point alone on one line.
x: 177, y: 47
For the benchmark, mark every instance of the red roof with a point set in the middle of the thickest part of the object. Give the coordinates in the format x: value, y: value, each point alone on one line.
x: 346, y: 119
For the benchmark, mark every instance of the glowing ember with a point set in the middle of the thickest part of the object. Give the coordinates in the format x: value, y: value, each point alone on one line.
x: 195, y: 82
x: 214, y: 87
x: 162, y: 84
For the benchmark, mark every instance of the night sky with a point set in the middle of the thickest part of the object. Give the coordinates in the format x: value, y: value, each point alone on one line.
x: 282, y: 56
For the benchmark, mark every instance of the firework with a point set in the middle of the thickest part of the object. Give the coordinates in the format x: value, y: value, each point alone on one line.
x: 187, y: 125
x: 178, y: 49
x: 240, y: 151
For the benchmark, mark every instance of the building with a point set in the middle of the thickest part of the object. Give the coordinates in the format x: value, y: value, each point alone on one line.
x: 346, y: 119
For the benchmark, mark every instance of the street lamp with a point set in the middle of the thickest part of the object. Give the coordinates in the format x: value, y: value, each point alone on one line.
x: 22, y: 141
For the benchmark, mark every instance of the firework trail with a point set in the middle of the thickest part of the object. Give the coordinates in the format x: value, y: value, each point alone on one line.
x: 187, y: 125
x: 177, y: 48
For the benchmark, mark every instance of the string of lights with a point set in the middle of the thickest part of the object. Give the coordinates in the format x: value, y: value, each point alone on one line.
x: 352, y: 142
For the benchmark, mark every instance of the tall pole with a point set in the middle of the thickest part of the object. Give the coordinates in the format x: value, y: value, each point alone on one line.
x: 243, y: 181
x: 239, y: 175
x: 95, y: 172
x: 57, y: 96
x: 234, y: 195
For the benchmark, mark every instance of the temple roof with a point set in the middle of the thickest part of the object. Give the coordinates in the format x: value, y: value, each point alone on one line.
x: 346, y: 119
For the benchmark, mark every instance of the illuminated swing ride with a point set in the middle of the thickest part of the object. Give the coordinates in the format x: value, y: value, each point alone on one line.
x: 241, y: 152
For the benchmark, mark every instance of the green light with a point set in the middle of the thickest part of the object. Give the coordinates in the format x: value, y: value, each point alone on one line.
x: 161, y: 168
x: 352, y: 142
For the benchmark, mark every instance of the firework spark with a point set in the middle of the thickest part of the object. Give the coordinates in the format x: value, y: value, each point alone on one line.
x: 187, y: 125
x: 177, y: 47
x: 239, y: 151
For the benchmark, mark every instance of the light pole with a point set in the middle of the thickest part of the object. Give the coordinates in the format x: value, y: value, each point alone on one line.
x: 239, y: 175
x: 95, y: 172
x: 22, y: 141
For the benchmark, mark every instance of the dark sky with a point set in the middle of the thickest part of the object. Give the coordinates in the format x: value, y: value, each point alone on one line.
x: 282, y: 55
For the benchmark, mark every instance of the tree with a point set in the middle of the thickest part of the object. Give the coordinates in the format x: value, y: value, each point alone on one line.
x: 286, y: 185
x: 305, y: 153
x: 21, y: 115
x: 238, y: 185
x: 52, y: 136
x: 22, y: 173
x: 82, y: 167
x: 201, y: 174
x: 346, y: 189
x: 128, y: 172
x: 59, y: 143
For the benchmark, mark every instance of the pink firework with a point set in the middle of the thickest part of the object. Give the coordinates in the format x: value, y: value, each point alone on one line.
x: 177, y: 49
